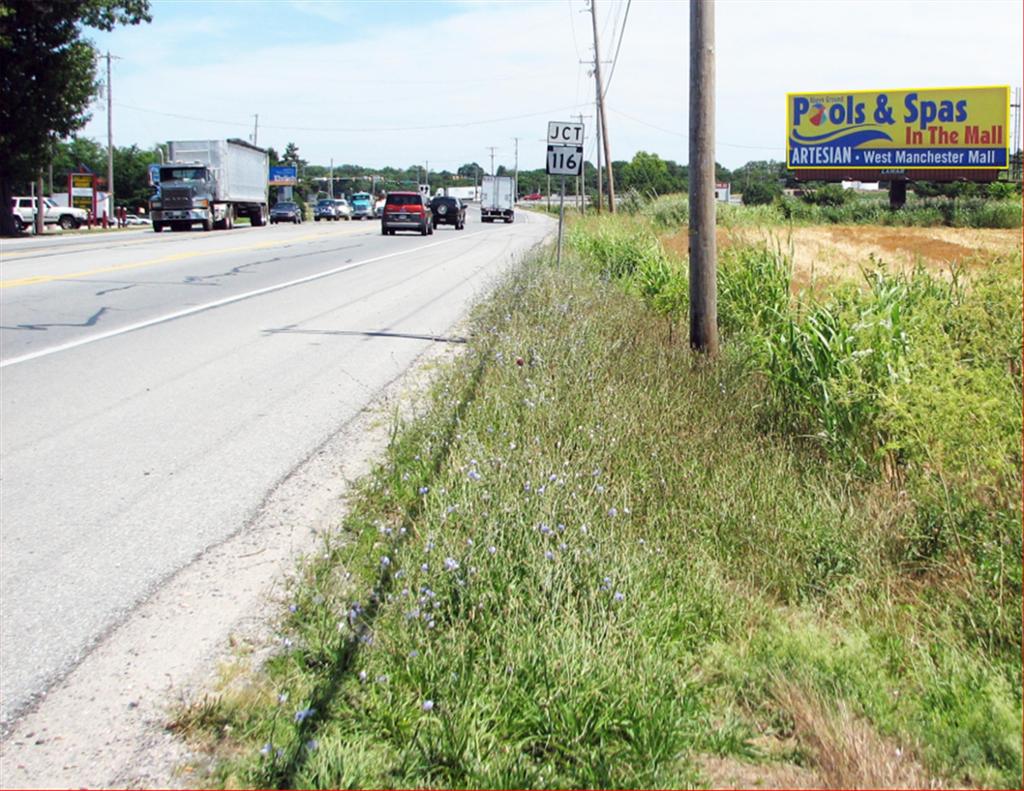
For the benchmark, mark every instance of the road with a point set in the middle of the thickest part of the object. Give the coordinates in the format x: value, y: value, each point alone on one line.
x: 157, y: 388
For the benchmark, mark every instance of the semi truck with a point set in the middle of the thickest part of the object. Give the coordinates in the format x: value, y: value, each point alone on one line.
x: 496, y: 200
x: 211, y: 183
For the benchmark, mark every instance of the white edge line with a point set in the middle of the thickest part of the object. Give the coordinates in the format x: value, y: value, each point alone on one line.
x: 218, y: 303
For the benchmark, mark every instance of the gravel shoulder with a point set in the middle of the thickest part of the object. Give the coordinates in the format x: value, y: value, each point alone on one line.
x: 104, y: 725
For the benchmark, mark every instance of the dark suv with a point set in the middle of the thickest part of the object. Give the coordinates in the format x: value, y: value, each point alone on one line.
x: 406, y: 211
x: 449, y: 211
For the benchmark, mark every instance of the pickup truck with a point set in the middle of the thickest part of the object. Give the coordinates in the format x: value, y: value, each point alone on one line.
x: 67, y: 217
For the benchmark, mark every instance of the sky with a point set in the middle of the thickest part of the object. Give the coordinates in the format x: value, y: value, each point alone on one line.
x: 437, y: 84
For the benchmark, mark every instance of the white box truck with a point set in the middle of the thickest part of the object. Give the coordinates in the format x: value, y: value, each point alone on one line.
x: 496, y: 200
x: 211, y: 182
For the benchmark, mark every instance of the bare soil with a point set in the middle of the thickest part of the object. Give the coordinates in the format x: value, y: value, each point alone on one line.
x: 829, y: 253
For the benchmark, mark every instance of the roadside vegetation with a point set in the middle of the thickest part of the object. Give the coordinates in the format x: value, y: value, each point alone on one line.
x: 597, y: 560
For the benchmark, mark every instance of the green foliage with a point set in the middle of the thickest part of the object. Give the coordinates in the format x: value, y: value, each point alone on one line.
x: 828, y: 195
x: 48, y: 79
x: 759, y: 193
x: 599, y: 565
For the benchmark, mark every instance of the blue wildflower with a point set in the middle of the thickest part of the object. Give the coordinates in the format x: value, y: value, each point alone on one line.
x: 303, y: 714
x: 428, y: 705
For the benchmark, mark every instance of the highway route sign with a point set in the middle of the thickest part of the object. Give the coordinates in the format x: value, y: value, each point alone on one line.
x: 564, y: 160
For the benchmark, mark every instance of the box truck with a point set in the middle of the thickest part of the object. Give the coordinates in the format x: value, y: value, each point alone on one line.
x: 496, y: 201
x: 210, y: 183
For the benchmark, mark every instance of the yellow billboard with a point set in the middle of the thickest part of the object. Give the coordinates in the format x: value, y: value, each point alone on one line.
x: 920, y: 128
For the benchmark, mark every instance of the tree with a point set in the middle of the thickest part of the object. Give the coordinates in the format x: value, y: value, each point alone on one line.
x: 646, y: 173
x: 47, y: 79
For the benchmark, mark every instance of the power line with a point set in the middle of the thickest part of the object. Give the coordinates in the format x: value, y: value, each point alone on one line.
x: 683, y: 134
x: 615, y: 59
x: 455, y: 125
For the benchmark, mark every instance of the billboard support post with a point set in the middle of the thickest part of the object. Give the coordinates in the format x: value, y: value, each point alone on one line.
x: 897, y: 194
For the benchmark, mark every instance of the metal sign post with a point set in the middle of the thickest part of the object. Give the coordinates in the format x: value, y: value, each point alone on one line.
x: 565, y: 158
x: 561, y: 221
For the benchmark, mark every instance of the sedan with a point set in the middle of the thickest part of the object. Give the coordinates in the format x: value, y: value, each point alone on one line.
x: 134, y: 219
x: 285, y: 212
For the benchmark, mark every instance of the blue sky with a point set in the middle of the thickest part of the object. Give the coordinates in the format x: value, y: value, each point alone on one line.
x: 401, y: 83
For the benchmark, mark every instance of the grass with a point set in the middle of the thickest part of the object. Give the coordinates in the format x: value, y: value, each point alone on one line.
x: 597, y: 560
x: 673, y: 211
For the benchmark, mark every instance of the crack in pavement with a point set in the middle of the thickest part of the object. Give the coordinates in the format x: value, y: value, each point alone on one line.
x: 89, y: 322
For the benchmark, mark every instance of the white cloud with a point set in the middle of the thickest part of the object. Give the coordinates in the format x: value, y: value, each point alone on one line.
x: 479, y: 61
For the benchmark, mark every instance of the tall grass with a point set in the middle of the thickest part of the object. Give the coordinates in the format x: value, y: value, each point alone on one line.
x: 597, y: 559
x: 672, y: 211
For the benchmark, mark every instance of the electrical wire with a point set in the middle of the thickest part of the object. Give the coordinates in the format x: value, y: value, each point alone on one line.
x: 615, y: 59
x: 456, y: 125
x: 683, y: 134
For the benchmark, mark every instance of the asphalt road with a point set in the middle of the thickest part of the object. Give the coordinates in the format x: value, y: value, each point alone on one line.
x: 157, y: 388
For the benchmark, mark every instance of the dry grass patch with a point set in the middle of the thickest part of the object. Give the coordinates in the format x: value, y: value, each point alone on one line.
x: 823, y: 255
x: 846, y: 751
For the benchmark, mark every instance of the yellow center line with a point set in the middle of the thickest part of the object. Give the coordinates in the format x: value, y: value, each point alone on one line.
x: 37, y: 279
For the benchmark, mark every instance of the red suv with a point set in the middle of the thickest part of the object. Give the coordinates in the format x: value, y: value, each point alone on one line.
x: 406, y: 211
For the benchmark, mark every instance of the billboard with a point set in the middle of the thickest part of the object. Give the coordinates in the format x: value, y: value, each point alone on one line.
x: 919, y: 128
x: 283, y: 176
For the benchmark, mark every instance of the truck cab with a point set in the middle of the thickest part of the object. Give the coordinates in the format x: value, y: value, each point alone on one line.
x: 185, y: 197
x: 362, y: 205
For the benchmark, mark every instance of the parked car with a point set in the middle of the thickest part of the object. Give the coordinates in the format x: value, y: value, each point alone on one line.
x: 533, y: 196
x: 448, y: 211
x: 67, y: 217
x: 134, y: 219
x: 378, y: 208
x: 285, y: 212
x: 325, y: 210
x: 406, y: 211
x: 344, y: 210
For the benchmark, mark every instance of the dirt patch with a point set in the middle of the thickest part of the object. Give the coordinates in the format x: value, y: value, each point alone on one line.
x: 826, y: 254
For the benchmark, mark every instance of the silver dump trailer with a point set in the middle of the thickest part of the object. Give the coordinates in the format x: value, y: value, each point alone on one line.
x: 211, y: 183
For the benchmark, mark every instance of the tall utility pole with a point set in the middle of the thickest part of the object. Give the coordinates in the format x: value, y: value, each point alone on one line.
x: 603, y: 120
x: 703, y: 254
x: 256, y: 128
x: 330, y: 180
x: 597, y: 124
x: 581, y: 180
x: 492, y: 158
x: 110, y: 140
x: 515, y: 180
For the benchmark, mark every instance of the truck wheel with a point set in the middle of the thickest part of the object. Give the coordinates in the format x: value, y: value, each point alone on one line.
x: 19, y: 226
x: 157, y: 227
x: 66, y: 222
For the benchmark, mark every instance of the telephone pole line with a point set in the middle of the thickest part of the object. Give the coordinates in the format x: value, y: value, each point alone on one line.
x: 515, y: 179
x: 581, y: 179
x: 703, y: 253
x: 603, y: 121
x: 110, y: 137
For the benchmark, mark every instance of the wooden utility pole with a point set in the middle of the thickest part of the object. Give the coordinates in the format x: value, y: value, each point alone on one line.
x: 703, y: 253
x: 597, y: 149
x: 110, y: 141
x: 603, y: 119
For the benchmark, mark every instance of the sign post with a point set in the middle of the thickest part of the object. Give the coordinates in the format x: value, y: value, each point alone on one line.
x: 565, y: 158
